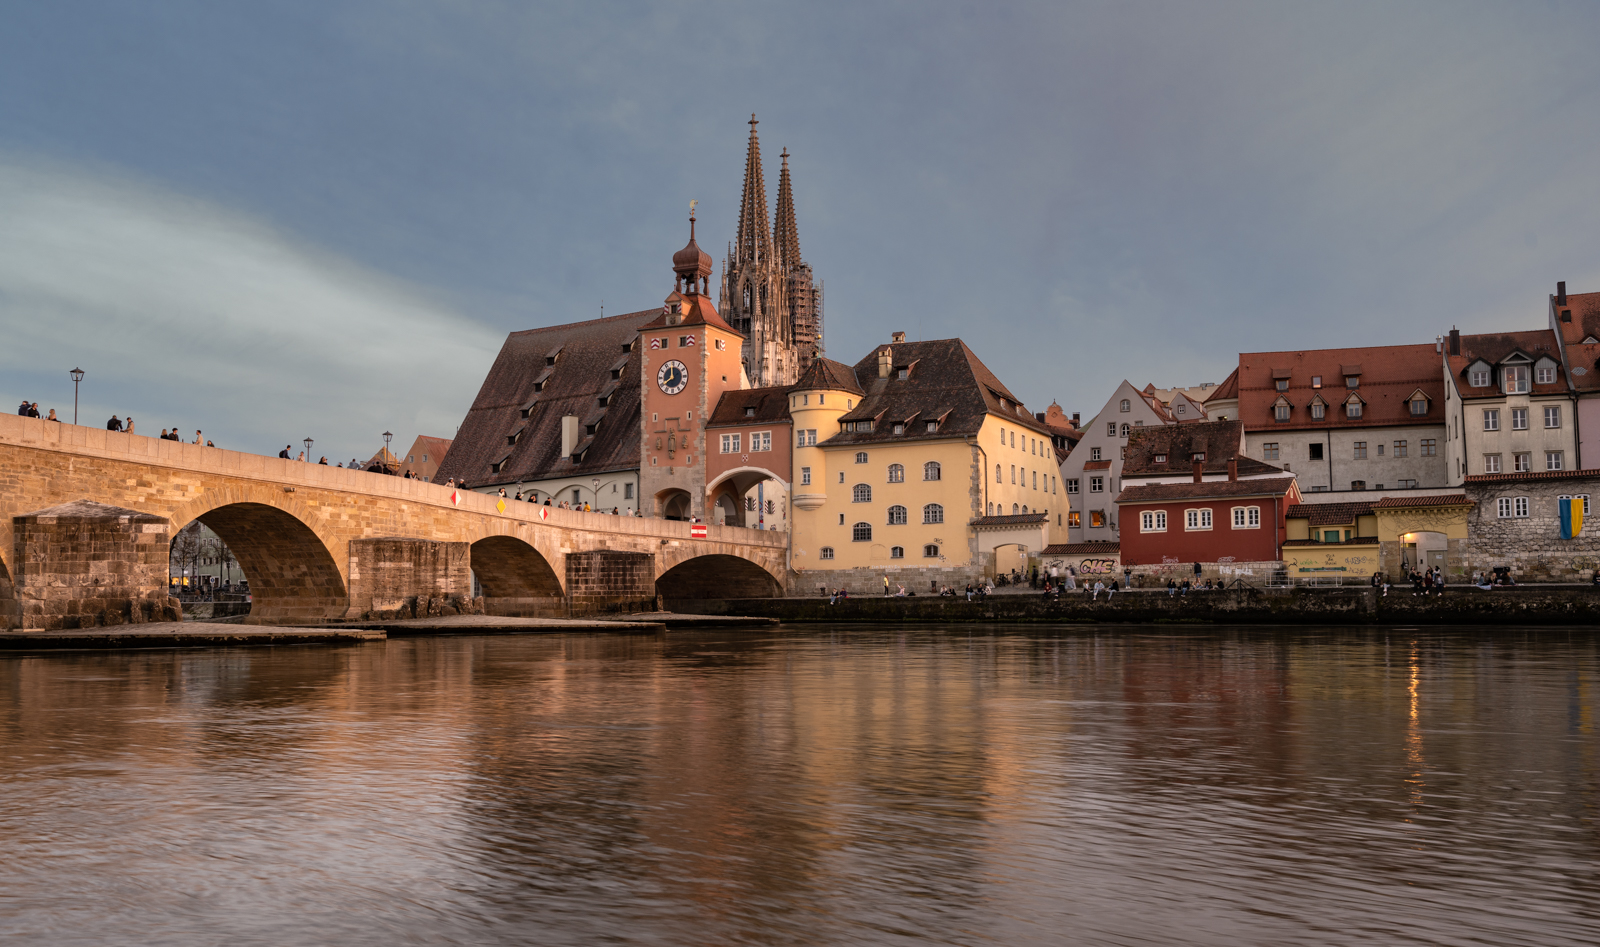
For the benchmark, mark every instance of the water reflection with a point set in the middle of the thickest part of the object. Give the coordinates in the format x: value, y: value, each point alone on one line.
x: 808, y: 786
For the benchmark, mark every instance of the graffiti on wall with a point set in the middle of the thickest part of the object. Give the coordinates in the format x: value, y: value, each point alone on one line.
x: 1097, y: 566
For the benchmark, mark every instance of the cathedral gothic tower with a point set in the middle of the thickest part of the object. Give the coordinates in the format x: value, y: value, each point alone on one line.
x: 767, y: 290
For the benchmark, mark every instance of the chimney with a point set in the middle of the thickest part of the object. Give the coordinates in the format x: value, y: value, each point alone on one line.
x: 569, y: 434
x: 1199, y: 470
x: 1075, y: 419
x: 1455, y: 341
x: 897, y: 337
x: 1561, y: 293
x: 886, y: 360
x: 1233, y: 470
x: 1039, y: 415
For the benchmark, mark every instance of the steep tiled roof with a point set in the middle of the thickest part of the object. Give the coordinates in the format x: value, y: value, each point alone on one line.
x: 1406, y: 503
x: 1492, y: 348
x: 1097, y: 465
x: 1209, y: 490
x: 1352, y: 541
x: 1220, y: 441
x: 828, y: 374
x: 1082, y: 549
x: 1020, y: 519
x: 1585, y: 324
x: 586, y: 353
x: 1229, y: 388
x: 1533, y: 475
x: 946, y: 381
x: 1329, y: 514
x: 697, y: 310
x: 1389, y: 376
x: 769, y: 406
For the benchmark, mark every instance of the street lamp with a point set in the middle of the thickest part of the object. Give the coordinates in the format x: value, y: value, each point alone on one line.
x: 77, y: 376
x: 308, y: 442
x: 387, y: 437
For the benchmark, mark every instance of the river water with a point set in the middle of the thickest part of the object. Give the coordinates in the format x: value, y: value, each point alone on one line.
x: 815, y: 785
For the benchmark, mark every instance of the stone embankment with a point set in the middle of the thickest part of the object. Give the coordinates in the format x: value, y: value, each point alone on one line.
x: 1522, y: 605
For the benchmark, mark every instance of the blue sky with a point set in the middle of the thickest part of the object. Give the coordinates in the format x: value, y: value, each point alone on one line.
x: 273, y: 221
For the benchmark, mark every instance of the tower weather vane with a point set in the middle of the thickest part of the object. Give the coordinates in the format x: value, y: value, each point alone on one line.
x: 692, y: 206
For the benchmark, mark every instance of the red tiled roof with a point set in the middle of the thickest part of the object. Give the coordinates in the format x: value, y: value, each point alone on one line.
x: 1405, y: 503
x: 1097, y: 465
x: 1354, y: 541
x: 1021, y: 519
x: 1227, y: 390
x: 1219, y: 441
x: 771, y: 406
x: 1585, y: 324
x: 1389, y: 375
x: 1082, y: 549
x: 697, y: 310
x: 1329, y: 514
x: 1533, y: 475
x: 1210, y: 489
x: 1494, y: 348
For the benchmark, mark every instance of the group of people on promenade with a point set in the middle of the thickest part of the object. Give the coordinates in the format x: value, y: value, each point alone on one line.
x: 31, y: 410
x: 581, y: 507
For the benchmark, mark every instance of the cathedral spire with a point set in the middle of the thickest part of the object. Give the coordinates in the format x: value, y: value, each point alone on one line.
x: 785, y: 236
x: 754, y: 241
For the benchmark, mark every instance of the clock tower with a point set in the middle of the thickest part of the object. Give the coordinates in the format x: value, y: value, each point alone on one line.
x: 690, y: 357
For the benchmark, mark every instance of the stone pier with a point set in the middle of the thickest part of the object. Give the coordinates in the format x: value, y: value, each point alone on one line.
x: 85, y: 564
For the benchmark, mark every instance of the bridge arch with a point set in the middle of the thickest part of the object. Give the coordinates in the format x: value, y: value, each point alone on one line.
x: 717, y: 575
x: 516, y: 578
x: 293, y: 572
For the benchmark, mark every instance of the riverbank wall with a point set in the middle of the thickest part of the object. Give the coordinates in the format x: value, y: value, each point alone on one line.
x: 1522, y: 605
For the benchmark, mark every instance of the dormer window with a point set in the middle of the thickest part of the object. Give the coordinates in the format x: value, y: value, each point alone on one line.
x: 1198, y: 456
x: 1478, y: 378
x: 1545, y: 375
x: 1161, y: 458
x: 749, y: 412
x: 1419, y: 406
x: 899, y: 428
x: 538, y: 386
x: 616, y: 373
x: 1316, y: 381
x: 1283, y: 384
x: 1352, y: 407
x: 1352, y: 381
x: 677, y: 309
x: 1515, y: 379
x: 604, y: 400
x: 1319, y: 411
x: 933, y: 427
x: 902, y: 373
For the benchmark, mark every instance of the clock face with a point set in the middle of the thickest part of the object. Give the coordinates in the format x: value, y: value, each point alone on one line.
x: 673, y: 377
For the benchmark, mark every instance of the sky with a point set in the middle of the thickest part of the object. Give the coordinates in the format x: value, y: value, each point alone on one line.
x: 320, y: 219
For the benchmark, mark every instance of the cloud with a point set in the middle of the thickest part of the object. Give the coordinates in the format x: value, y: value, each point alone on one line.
x: 183, y: 312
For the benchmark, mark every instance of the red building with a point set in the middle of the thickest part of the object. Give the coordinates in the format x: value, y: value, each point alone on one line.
x: 1206, y: 521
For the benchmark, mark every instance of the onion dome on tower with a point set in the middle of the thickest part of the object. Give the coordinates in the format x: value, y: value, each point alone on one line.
x: 692, y: 264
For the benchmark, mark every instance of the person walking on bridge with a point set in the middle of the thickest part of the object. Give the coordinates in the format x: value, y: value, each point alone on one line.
x: 285, y: 452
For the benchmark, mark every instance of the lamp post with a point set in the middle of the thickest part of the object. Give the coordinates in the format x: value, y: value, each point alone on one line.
x: 387, y: 437
x: 77, y: 376
x: 308, y: 442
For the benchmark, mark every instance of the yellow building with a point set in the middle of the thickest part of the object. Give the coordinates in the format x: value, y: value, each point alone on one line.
x: 1350, y: 541
x: 917, y: 466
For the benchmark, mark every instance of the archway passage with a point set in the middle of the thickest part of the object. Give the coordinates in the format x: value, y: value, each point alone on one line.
x: 516, y: 579
x: 716, y: 576
x: 292, y: 575
x: 675, y: 505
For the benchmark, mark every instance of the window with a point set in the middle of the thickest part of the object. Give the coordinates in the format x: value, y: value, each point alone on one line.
x: 1316, y: 381
x: 1581, y: 502
x: 899, y: 429
x: 1429, y: 447
x: 1318, y: 410
x: 1013, y: 473
x: 1491, y: 419
x: 827, y: 552
x: 1074, y: 520
x: 1269, y: 450
x: 805, y: 476
x: 1316, y: 451
x: 1283, y: 384
x: 807, y: 438
x: 861, y: 533
x: 1013, y: 509
x: 930, y: 551
x: 861, y: 493
x: 1503, y: 508
x: 1521, y: 463
x: 1552, y: 416
x: 1552, y: 460
x: 1153, y: 521
x: 1094, y: 453
x: 1072, y: 486
x: 1352, y: 408
x: 1360, y: 452
x: 1196, y: 519
x: 1358, y: 484
x: 1419, y: 406
x: 1181, y: 409
x: 1097, y: 519
x: 730, y: 443
x: 1399, y: 448
x: 1111, y: 430
x: 1478, y: 378
x: 1161, y: 458
x: 760, y: 440
x: 933, y: 513
x: 1509, y: 507
x: 1519, y: 419
x: 931, y: 470
x: 1247, y: 517
x: 1352, y: 381
x: 1280, y: 412
x: 1124, y: 430
x: 1097, y: 484
x: 861, y: 456
x: 997, y: 476
x: 1408, y: 484
x: 627, y: 491
x: 1125, y: 406
x: 1546, y: 375
x: 897, y: 515
x: 841, y: 479
x: 841, y: 519
x: 1516, y: 379
x: 1036, y: 479
x: 1491, y: 463
x: 897, y: 473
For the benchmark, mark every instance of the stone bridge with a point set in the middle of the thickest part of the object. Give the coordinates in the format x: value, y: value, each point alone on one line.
x: 87, y: 517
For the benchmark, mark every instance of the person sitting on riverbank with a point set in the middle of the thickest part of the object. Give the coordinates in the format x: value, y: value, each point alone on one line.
x: 1094, y: 593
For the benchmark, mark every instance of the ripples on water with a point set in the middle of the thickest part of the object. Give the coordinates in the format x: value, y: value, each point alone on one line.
x: 808, y: 786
